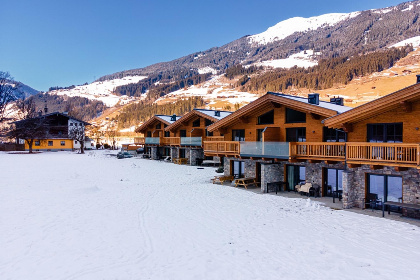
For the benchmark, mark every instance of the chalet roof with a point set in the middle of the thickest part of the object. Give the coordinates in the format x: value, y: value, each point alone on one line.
x: 52, y: 115
x: 213, y: 115
x: 402, y: 97
x: 272, y: 100
x: 162, y: 118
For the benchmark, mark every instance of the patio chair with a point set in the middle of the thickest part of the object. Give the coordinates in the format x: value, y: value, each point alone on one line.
x: 314, y: 190
x: 373, y: 201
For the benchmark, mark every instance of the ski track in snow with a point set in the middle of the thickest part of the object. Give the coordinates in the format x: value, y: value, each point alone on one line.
x: 72, y: 216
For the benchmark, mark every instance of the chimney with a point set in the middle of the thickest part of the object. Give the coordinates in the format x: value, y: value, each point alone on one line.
x: 337, y: 100
x: 217, y: 113
x: 45, y: 107
x: 173, y: 118
x: 313, y: 98
x: 418, y: 78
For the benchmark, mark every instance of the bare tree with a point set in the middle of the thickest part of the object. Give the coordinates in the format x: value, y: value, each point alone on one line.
x: 8, y: 93
x: 31, y: 126
x: 112, y: 137
x: 77, y: 132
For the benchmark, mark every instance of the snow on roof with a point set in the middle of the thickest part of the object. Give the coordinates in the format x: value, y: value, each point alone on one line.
x: 167, y: 118
x: 327, y: 105
x: 212, y: 113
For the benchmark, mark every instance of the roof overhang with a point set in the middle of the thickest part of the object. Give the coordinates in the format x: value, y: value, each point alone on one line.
x: 187, y: 117
x: 150, y: 121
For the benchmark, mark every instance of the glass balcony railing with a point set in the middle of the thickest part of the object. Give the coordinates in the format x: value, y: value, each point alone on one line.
x: 191, y: 141
x: 152, y: 140
x: 265, y: 149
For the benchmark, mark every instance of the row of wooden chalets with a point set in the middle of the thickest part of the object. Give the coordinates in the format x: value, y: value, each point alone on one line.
x: 363, y: 155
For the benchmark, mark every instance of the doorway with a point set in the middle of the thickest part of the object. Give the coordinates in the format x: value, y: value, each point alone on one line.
x: 333, y: 181
x: 295, y: 175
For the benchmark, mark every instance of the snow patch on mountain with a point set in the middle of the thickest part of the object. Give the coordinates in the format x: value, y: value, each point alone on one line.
x: 302, y: 59
x: 207, y: 70
x: 102, y: 90
x: 298, y: 24
x: 415, y: 41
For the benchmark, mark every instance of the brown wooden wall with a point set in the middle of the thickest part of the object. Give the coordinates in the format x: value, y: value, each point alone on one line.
x: 410, y: 121
x: 314, y: 128
x: 193, y: 131
x: 156, y: 132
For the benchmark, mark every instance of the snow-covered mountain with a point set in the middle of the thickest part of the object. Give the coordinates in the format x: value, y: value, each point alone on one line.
x: 102, y: 90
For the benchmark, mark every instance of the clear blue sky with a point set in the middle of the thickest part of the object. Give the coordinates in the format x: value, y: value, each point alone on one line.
x: 56, y: 42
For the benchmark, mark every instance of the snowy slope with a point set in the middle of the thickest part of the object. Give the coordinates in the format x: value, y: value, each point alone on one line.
x: 102, y: 91
x: 298, y: 24
x: 415, y: 41
x: 302, y: 59
x: 113, y: 219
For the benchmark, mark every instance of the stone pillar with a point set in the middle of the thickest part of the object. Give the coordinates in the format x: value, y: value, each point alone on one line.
x: 226, y: 166
x: 174, y: 153
x: 349, y: 192
x: 154, y: 154
x: 195, y: 154
x: 271, y: 173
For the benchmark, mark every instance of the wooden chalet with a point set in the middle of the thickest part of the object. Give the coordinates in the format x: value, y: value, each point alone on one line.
x: 156, y: 141
x: 190, y: 131
x: 382, y: 152
x: 280, y: 137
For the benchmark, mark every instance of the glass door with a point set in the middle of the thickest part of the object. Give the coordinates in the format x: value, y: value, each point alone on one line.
x: 238, y: 169
x: 333, y: 181
x: 295, y: 175
x: 387, y: 188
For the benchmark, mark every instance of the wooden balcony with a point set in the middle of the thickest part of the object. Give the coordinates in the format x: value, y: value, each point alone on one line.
x: 222, y: 148
x: 388, y: 154
x: 139, y: 140
x: 214, y: 138
x: 332, y: 151
x: 171, y: 141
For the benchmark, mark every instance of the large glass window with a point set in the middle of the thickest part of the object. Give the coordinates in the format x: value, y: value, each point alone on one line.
x: 182, y: 133
x: 238, y: 169
x: 208, y: 122
x: 388, y: 188
x: 149, y: 134
x: 296, y: 134
x: 385, y: 132
x: 295, y: 175
x: 196, y: 123
x: 293, y: 116
x: 333, y: 181
x: 334, y: 135
x: 267, y: 118
x: 167, y: 133
x: 158, y: 126
x: 238, y: 135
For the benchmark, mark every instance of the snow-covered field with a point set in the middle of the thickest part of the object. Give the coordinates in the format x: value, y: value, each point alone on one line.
x: 71, y: 216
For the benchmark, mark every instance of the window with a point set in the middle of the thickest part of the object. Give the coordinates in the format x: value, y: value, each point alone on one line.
x: 181, y: 153
x: 388, y: 188
x: 50, y: 143
x: 209, y: 133
x: 334, y: 135
x: 238, y: 135
x: 333, y: 181
x: 238, y: 169
x: 165, y: 125
x: 167, y: 134
x: 385, y: 132
x: 260, y: 134
x: 208, y: 122
x: 158, y: 126
x: 196, y: 123
x: 296, y: 134
x: 267, y: 118
x: 37, y: 143
x: 182, y: 133
x: 149, y: 134
x: 62, y: 143
x: 295, y: 175
x: 293, y: 116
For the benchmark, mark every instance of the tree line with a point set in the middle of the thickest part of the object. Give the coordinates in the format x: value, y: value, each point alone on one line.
x: 327, y: 73
x: 139, y: 112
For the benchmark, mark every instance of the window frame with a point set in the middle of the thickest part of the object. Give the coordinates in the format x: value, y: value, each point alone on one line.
x: 269, y: 114
x: 289, y: 111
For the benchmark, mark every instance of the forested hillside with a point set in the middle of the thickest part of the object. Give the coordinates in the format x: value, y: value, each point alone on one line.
x: 327, y: 73
x: 133, y: 114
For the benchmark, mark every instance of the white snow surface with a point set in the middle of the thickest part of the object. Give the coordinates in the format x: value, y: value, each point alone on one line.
x: 207, y: 69
x: 102, y: 91
x: 73, y: 216
x: 302, y: 59
x: 298, y: 24
x: 415, y: 41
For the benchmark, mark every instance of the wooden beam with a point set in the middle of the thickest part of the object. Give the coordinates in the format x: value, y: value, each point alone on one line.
x: 352, y: 165
x: 315, y: 116
x: 293, y: 160
x: 281, y: 160
x: 314, y: 161
x: 347, y: 127
x: 407, y: 106
x: 222, y: 130
x: 399, y: 168
x: 375, y: 167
